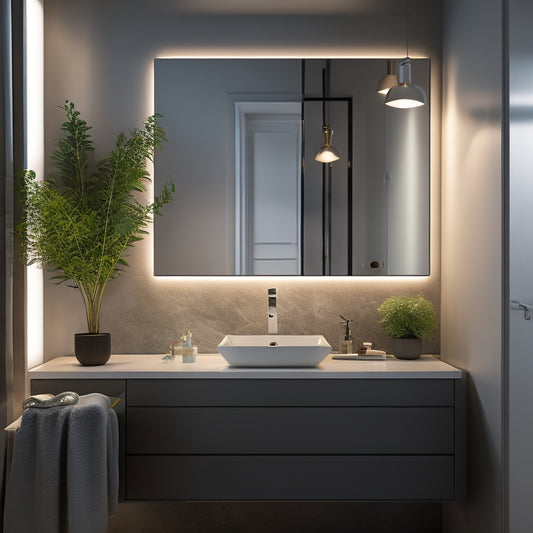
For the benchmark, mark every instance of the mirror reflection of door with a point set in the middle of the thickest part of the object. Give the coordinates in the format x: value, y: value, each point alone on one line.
x: 267, y: 188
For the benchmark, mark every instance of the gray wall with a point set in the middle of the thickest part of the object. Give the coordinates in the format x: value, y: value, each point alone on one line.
x: 472, y: 254
x: 100, y: 55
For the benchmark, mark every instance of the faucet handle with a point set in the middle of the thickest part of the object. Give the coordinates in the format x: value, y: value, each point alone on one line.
x: 272, y: 296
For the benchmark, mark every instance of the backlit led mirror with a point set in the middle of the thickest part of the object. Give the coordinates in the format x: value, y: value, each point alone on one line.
x: 250, y: 197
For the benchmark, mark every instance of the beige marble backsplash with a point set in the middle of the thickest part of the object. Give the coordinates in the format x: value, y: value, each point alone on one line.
x: 144, y: 314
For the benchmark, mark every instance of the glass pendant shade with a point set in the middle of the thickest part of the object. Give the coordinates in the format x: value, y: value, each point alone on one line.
x: 388, y: 81
x: 327, y: 153
x: 406, y: 94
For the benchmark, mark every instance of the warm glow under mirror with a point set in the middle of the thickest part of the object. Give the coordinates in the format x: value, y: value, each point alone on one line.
x: 250, y: 197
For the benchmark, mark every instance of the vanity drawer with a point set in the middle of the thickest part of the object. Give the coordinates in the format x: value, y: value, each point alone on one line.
x: 310, y: 477
x: 291, y: 392
x: 290, y: 430
x: 109, y: 387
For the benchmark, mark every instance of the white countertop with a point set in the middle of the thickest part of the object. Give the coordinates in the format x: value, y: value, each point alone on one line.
x: 211, y: 366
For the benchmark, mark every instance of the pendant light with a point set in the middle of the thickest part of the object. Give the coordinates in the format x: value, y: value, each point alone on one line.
x: 406, y: 94
x: 326, y: 153
x: 388, y: 81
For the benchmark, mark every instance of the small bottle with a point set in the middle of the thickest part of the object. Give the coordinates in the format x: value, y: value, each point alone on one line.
x: 186, y: 338
x: 345, y: 344
x: 188, y: 351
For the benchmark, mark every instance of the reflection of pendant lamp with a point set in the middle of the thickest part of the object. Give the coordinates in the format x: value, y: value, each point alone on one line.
x: 388, y: 81
x: 327, y: 153
x: 406, y: 94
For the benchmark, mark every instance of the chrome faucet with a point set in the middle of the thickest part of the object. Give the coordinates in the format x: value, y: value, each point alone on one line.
x: 272, y: 311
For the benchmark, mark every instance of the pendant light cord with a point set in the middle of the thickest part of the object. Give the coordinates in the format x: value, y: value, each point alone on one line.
x: 325, y: 89
x: 407, y: 27
x: 323, y: 96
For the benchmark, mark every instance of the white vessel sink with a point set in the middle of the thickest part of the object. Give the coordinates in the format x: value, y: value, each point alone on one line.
x: 274, y: 350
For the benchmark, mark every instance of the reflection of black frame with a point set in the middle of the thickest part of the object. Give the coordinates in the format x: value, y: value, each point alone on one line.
x: 326, y: 191
x: 326, y: 177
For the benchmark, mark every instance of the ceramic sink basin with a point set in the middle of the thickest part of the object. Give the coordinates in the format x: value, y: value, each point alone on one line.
x: 274, y: 350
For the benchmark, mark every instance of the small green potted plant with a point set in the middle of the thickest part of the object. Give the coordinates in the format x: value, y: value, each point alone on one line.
x: 408, y: 320
x: 81, y: 223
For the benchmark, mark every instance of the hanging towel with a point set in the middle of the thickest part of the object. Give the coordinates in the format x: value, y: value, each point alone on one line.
x: 64, y: 475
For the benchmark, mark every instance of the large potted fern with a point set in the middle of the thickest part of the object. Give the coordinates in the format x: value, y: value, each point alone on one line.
x: 81, y: 222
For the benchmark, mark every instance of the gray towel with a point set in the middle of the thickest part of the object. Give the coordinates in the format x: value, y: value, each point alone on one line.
x: 64, y: 476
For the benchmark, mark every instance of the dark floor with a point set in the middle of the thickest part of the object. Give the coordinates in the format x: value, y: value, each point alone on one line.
x: 278, y: 517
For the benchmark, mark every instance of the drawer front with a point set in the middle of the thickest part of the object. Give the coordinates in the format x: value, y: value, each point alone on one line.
x: 290, y: 430
x: 290, y: 478
x: 109, y: 387
x: 290, y: 392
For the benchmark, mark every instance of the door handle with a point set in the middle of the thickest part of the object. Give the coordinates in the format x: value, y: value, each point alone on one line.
x: 515, y: 304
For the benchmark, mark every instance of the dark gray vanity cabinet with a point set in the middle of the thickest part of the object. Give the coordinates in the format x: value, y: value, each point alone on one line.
x: 304, y: 439
x: 293, y: 439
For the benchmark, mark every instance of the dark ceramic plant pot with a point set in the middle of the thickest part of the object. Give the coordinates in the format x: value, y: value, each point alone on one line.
x: 407, y: 348
x: 92, y: 349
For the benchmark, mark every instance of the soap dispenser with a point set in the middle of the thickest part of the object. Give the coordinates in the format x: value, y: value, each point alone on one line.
x: 345, y: 344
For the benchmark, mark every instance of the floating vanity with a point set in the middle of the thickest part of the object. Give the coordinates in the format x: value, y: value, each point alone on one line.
x: 346, y: 430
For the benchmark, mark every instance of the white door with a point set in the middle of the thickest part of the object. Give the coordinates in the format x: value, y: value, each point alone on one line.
x: 268, y: 148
